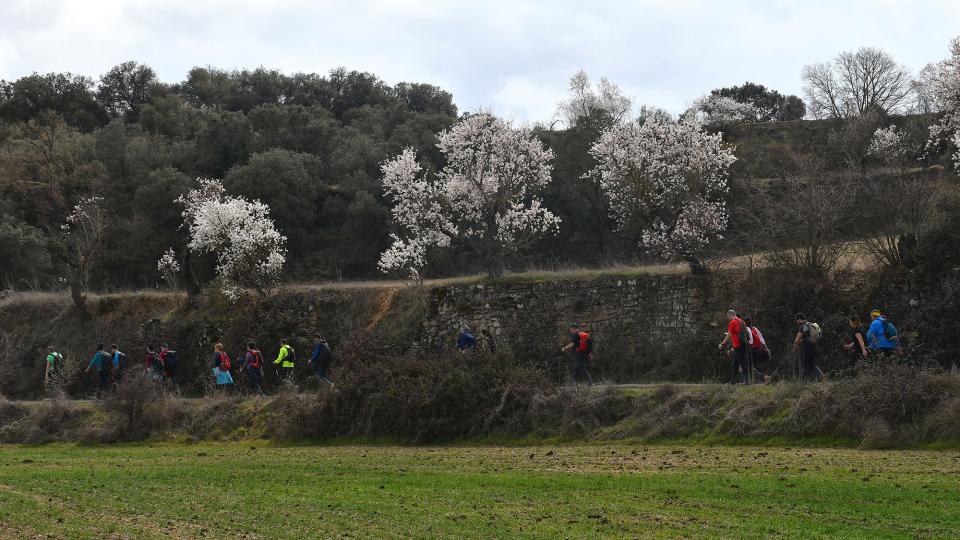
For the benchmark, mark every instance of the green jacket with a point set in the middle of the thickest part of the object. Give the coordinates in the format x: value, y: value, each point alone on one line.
x: 286, y: 357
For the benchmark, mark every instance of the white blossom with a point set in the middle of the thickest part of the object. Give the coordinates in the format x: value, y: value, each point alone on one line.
x: 250, y: 251
x: 606, y: 102
x: 419, y: 214
x: 487, y: 195
x: 888, y: 145
x: 169, y: 267
x: 945, y: 93
x: 667, y: 179
x: 720, y: 111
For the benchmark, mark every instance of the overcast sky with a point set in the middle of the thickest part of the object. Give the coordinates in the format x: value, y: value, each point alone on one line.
x: 511, y: 56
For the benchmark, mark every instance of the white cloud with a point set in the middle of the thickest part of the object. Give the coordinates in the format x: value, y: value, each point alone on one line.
x: 512, y: 55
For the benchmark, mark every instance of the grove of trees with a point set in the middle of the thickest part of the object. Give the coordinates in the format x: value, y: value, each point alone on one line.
x: 343, y: 176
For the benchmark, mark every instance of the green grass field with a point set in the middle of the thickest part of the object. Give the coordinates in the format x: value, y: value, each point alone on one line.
x: 624, y: 491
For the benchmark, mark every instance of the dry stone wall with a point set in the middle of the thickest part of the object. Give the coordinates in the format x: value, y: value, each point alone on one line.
x: 530, y: 318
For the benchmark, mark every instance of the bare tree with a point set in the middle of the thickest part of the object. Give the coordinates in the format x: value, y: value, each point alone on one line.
x: 856, y: 83
x: 805, y: 216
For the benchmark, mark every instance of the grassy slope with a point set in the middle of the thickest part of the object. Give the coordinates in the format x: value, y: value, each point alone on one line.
x: 577, y: 491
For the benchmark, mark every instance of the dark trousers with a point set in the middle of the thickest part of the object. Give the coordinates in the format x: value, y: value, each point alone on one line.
x: 738, y: 365
x: 103, y: 382
x: 320, y: 368
x: 580, y: 372
x: 255, y: 379
x: 808, y: 361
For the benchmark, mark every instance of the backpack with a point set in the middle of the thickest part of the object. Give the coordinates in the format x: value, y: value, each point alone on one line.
x: 106, y: 361
x: 170, y: 360
x: 224, y: 362
x: 812, y: 332
x: 122, y: 361
x: 257, y: 360
x: 889, y: 330
x: 744, y: 333
x: 291, y: 354
x: 585, y: 345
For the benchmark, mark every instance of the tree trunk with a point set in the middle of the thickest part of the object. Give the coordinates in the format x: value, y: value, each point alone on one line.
x: 79, y: 298
x: 192, y: 284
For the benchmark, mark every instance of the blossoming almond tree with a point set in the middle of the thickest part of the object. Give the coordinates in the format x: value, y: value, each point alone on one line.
x: 419, y: 214
x: 169, y: 267
x: 946, y: 94
x: 81, y: 243
x: 666, y: 182
x: 486, y: 196
x: 888, y: 145
x: 250, y: 251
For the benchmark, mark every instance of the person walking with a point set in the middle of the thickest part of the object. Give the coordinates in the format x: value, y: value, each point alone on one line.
x: 858, y: 342
x: 153, y: 364
x: 221, y: 368
x: 253, y: 368
x: 102, y: 364
x: 805, y: 343
x: 320, y: 361
x: 759, y: 351
x: 738, y: 336
x: 285, y: 359
x: 119, y: 360
x: 582, y: 346
x: 53, y: 368
x: 882, y: 338
x: 168, y: 357
x: 466, y: 341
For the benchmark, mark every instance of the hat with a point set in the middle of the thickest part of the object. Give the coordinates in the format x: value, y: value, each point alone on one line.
x: 876, y: 313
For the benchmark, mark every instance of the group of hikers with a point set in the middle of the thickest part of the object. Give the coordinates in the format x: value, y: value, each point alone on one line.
x: 743, y: 343
x: 110, y: 365
x: 750, y: 355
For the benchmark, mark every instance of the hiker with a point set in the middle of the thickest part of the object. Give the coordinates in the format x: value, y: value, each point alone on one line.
x: 53, y: 368
x: 759, y: 351
x: 882, y: 335
x: 221, y: 367
x: 466, y: 341
x: 805, y: 343
x: 320, y: 361
x: 253, y: 368
x: 285, y: 359
x: 168, y: 356
x: 582, y: 346
x: 153, y: 364
x: 738, y: 336
x: 486, y: 338
x: 858, y: 342
x: 103, y: 364
x: 119, y: 360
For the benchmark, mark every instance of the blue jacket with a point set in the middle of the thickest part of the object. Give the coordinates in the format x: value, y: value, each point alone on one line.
x: 876, y: 339
x: 321, y: 351
x: 466, y: 340
x: 98, y: 362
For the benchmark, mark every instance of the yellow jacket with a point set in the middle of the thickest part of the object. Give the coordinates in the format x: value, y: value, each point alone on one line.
x: 285, y: 358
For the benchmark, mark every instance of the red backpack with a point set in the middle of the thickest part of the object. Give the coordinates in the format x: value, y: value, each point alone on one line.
x: 224, y: 361
x: 257, y: 360
x: 585, y: 344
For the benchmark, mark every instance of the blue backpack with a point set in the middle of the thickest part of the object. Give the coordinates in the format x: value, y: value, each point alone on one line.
x: 889, y: 330
x: 170, y: 360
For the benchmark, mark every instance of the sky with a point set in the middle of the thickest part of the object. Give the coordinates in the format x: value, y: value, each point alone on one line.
x: 513, y: 57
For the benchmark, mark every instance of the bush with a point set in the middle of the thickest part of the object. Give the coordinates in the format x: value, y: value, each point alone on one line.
x: 134, y: 399
x: 436, y: 398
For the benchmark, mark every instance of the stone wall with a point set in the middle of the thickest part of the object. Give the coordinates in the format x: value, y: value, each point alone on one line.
x: 624, y: 316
